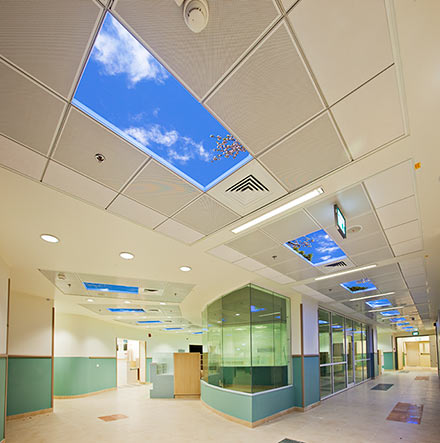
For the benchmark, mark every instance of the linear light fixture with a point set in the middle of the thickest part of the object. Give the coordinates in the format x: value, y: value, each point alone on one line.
x: 279, y: 210
x: 371, y: 296
x: 390, y: 308
x: 337, y: 274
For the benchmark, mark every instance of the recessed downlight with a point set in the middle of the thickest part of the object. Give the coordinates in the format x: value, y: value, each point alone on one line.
x: 126, y: 255
x: 49, y: 238
x: 127, y: 302
x: 162, y: 303
x: 185, y: 268
x: 90, y: 300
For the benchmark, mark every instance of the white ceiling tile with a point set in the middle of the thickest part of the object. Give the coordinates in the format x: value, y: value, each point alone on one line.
x: 354, y: 245
x: 21, y: 159
x: 252, y: 243
x: 372, y: 115
x: 159, y: 188
x: 346, y: 42
x: 28, y: 114
x: 178, y: 231
x: 82, y: 138
x: 278, y: 254
x: 249, y: 264
x: 160, y: 24
x: 247, y: 189
x: 407, y: 247
x: 291, y: 227
x: 407, y: 231
x: 226, y: 253
x: 274, y: 275
x: 293, y: 161
x: 50, y: 40
x: 287, y: 4
x: 415, y: 281
x: 303, y: 274
x: 77, y: 185
x: 400, y: 212
x: 273, y: 86
x: 372, y: 256
x: 136, y: 212
x: 205, y: 215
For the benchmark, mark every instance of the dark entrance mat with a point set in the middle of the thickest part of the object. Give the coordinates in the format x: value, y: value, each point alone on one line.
x: 406, y: 413
x: 382, y: 387
x: 288, y: 440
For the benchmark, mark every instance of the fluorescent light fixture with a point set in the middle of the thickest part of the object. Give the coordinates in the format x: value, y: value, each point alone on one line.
x: 49, y: 238
x: 127, y: 302
x: 185, y: 268
x: 388, y: 310
x: 337, y: 274
x: 323, y: 322
x: 371, y: 296
x: 126, y: 255
x: 279, y: 210
x: 162, y: 303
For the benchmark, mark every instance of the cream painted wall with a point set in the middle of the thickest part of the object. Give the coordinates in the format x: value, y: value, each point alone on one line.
x: 384, y: 341
x: 81, y: 336
x: 4, y: 275
x: 295, y: 324
x: 310, y: 326
x: 30, y: 325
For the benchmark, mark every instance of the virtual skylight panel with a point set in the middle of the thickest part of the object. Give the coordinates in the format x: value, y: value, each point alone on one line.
x: 128, y: 90
x: 361, y: 285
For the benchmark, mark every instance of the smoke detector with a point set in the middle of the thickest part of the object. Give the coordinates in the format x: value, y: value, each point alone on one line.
x: 195, y: 14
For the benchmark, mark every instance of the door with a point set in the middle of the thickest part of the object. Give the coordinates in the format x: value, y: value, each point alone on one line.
x: 350, y: 357
x: 412, y: 354
x: 186, y: 374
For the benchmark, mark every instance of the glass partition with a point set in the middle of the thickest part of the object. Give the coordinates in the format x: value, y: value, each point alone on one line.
x: 247, y: 340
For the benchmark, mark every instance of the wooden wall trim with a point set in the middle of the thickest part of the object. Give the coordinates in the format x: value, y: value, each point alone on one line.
x: 29, y: 356
x: 311, y: 355
x: 30, y: 414
x: 7, y: 351
x: 3, y: 356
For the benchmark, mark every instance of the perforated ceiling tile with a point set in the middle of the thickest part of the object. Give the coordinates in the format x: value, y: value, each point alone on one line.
x: 301, y: 274
x: 407, y: 231
x: 50, y: 40
x: 345, y: 41
x: 21, y: 159
x: 407, y: 247
x: 415, y: 281
x: 136, y: 212
x: 287, y: 4
x: 271, y: 85
x: 205, y: 215
x: 178, y: 231
x: 82, y: 139
x: 291, y: 227
x: 247, y: 189
x: 274, y: 275
x: 372, y: 115
x: 249, y: 264
x: 226, y: 253
x: 252, y: 243
x: 358, y: 245
x: 161, y: 189
x: 78, y: 185
x: 232, y: 28
x: 393, y: 184
x: 294, y: 161
x: 28, y: 114
x: 400, y: 212
x: 276, y: 255
x: 369, y: 257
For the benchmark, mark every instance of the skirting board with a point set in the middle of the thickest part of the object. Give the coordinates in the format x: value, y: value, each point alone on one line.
x: 187, y: 396
x: 307, y: 408
x: 88, y: 394
x: 248, y: 423
x: 29, y: 414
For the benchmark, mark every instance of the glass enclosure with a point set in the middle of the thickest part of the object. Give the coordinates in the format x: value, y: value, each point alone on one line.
x: 247, y: 340
x: 343, y: 352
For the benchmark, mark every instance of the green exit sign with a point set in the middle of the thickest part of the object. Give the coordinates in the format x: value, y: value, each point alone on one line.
x: 415, y: 332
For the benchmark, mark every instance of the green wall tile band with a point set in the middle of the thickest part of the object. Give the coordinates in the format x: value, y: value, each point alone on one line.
x: 2, y: 396
x: 311, y: 380
x: 148, y: 371
x: 388, y: 360
x: 82, y: 375
x: 29, y: 384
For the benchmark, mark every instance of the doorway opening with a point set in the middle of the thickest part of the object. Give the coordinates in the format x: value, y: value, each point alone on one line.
x: 131, y: 358
x: 417, y: 352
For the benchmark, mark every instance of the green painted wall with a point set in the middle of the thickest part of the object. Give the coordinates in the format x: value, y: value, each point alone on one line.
x: 2, y: 396
x: 148, y: 372
x: 388, y: 360
x: 29, y: 384
x: 311, y: 380
x: 297, y: 380
x: 82, y: 375
x: 269, y: 403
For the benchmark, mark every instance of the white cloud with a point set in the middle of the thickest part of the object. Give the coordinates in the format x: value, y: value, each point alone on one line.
x: 120, y: 53
x: 178, y: 148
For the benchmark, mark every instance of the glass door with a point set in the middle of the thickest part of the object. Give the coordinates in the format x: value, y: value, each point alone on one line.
x: 350, y: 353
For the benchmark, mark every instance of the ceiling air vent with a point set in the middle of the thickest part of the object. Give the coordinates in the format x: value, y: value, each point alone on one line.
x: 249, y: 183
x: 153, y: 310
x: 337, y: 264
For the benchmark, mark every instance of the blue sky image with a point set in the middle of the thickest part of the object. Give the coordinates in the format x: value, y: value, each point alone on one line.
x: 129, y: 91
x: 362, y: 285
x: 316, y: 248
x: 383, y: 303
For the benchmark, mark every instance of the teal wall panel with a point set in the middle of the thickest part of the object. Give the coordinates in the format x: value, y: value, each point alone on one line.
x: 269, y: 403
x: 148, y: 372
x: 29, y: 384
x: 388, y: 360
x: 311, y: 380
x: 82, y: 375
x: 2, y: 396
x: 236, y: 404
x: 297, y: 380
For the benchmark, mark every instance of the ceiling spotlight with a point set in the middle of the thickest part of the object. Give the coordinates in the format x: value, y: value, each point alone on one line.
x: 90, y: 300
x: 127, y: 302
x: 126, y: 255
x: 49, y: 238
x: 185, y: 268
